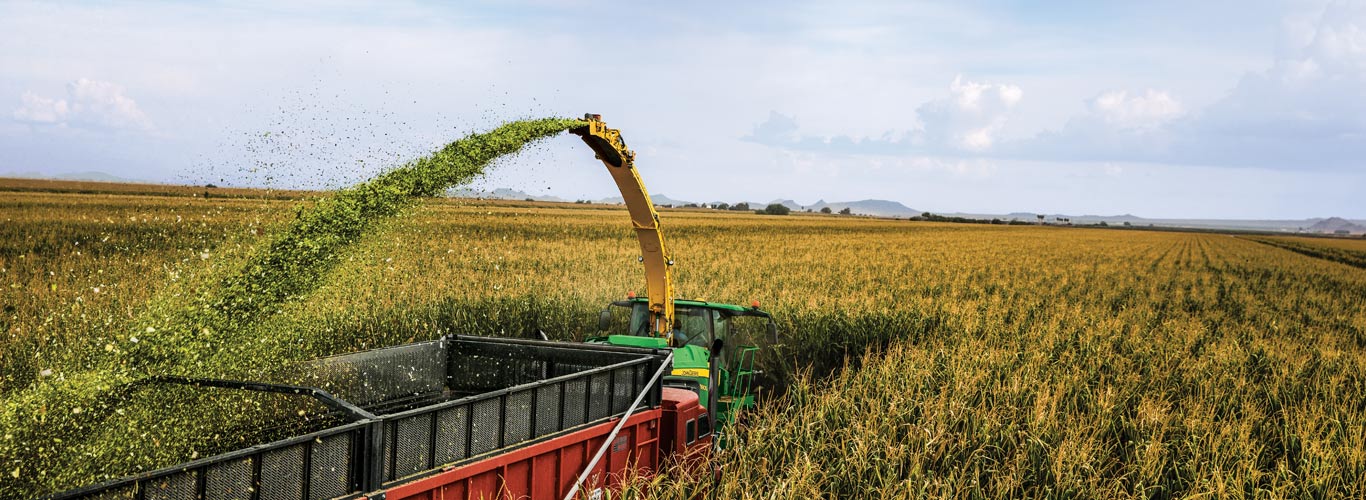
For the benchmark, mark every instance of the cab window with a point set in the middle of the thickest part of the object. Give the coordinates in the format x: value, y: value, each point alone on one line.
x: 720, y: 325
x: 692, y: 431
x: 640, y: 320
x: 692, y: 326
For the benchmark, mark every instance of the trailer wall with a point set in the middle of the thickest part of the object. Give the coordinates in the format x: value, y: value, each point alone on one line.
x: 546, y: 469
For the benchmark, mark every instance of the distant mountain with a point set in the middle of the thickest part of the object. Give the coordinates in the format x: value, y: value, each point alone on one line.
x: 658, y: 199
x: 75, y: 176
x: 888, y: 208
x: 879, y: 208
x: 1335, y: 224
x: 790, y: 204
x: 499, y: 194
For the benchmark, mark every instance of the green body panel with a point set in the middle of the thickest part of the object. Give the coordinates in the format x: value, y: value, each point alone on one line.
x: 692, y: 363
x: 691, y: 356
x: 688, y: 359
x: 634, y: 341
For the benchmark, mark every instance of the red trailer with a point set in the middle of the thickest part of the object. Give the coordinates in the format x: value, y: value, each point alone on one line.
x: 548, y: 469
x: 456, y: 418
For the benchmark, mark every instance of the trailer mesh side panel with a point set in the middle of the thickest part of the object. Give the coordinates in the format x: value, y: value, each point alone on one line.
x: 412, y: 449
x: 229, y: 481
x: 623, y: 388
x: 330, y: 471
x: 389, y: 431
x: 575, y: 397
x: 387, y: 380
x: 598, y: 394
x: 174, y: 487
x: 125, y: 493
x: 282, y: 474
x: 548, y: 409
x: 486, y: 419
x: 450, y: 438
x: 476, y: 373
x: 561, y: 369
x: 517, y: 417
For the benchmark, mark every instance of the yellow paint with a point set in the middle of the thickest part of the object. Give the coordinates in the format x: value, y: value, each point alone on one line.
x: 620, y: 162
x: 690, y: 372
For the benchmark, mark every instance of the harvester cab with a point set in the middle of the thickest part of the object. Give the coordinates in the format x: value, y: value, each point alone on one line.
x: 714, y: 347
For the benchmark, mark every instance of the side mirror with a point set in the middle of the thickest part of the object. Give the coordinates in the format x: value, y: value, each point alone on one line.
x: 716, y: 346
x: 604, y: 320
x: 773, y: 331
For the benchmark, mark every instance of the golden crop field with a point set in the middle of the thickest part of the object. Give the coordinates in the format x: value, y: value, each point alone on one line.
x: 915, y: 359
x: 1350, y: 251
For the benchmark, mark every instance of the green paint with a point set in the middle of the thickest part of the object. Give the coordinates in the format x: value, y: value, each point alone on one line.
x: 634, y: 341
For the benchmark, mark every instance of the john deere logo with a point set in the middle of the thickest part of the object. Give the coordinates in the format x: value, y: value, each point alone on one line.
x: 690, y: 372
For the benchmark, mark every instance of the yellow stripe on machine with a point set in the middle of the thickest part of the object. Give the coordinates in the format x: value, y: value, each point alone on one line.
x: 690, y: 372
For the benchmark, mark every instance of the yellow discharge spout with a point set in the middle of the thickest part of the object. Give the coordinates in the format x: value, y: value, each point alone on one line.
x: 620, y: 162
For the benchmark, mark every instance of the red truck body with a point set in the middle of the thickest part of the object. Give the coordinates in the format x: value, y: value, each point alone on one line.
x: 548, y: 469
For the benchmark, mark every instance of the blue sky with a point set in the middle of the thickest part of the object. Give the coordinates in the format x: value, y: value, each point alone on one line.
x: 1217, y: 109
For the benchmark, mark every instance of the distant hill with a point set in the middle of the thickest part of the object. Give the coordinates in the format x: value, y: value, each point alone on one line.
x: 888, y: 208
x: 658, y: 199
x: 879, y: 208
x: 499, y: 194
x: 1334, y: 224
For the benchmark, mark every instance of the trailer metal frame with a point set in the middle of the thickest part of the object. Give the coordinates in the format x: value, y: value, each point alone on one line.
x: 377, y: 449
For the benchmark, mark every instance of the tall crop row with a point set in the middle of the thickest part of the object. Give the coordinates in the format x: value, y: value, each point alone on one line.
x: 1102, y: 366
x: 1347, y: 251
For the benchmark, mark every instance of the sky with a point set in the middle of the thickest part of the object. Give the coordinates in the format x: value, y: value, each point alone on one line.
x: 1252, y: 109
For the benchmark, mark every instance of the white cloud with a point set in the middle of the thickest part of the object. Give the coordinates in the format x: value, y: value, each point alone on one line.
x: 777, y: 129
x: 1149, y: 110
x: 1308, y: 110
x: 39, y: 109
x: 1316, y: 89
x: 1117, y: 126
x: 88, y: 104
x: 849, y: 73
x: 971, y: 118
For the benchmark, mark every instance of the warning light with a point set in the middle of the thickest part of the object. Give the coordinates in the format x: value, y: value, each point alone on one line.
x: 630, y: 295
x: 754, y: 304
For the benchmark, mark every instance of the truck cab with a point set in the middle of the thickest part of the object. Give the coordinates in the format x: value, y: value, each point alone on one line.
x: 705, y: 358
